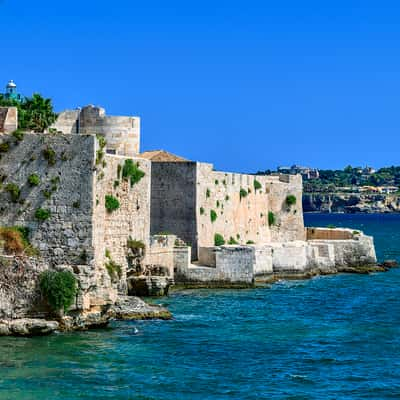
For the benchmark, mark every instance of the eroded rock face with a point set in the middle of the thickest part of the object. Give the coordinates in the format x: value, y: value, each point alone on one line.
x: 19, y: 291
x: 350, y: 203
x: 23, y: 311
x: 131, y: 308
x: 27, y: 327
x: 149, y: 285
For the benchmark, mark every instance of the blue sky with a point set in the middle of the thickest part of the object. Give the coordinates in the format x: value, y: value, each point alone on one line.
x: 246, y: 85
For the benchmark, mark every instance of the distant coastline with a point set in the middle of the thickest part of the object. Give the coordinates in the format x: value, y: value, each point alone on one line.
x: 351, y: 203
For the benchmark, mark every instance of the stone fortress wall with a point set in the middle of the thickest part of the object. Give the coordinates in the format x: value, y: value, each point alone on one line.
x: 194, y: 202
x: 65, y: 168
x: 8, y: 119
x: 131, y: 220
x: 65, y: 189
x: 245, y: 218
x: 122, y: 133
x: 173, y: 201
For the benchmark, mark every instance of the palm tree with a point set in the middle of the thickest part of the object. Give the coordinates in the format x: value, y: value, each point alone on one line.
x: 37, y: 113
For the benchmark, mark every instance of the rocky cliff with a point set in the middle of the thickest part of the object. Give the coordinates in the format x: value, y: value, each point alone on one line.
x: 350, y: 203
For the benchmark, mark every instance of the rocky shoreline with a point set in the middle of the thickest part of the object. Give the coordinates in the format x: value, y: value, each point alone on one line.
x: 351, y: 203
x: 126, y: 308
x: 133, y: 308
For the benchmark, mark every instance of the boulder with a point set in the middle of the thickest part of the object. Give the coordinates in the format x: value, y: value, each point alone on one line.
x: 27, y: 327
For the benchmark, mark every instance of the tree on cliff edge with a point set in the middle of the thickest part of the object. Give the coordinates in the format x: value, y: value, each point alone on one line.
x: 34, y: 113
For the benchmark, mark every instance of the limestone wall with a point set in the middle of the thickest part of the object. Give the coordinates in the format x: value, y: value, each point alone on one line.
x: 236, y: 217
x: 263, y: 264
x: 289, y: 224
x: 234, y: 267
x: 65, y: 168
x: 330, y: 234
x: 173, y: 196
x: 357, y: 252
x: 194, y: 202
x: 131, y: 219
x: 67, y: 121
x: 245, y: 218
x: 161, y: 252
x: 19, y: 294
x: 8, y: 119
x: 64, y: 189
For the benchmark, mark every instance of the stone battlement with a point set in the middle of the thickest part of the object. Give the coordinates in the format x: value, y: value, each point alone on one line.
x: 122, y: 133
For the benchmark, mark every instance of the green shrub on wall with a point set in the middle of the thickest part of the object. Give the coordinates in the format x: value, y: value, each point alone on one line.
x: 133, y: 244
x: 4, y: 147
x: 99, y: 156
x: 219, y: 240
x: 58, y: 288
x: 208, y: 193
x: 114, y: 270
x: 257, y: 185
x: 49, y: 155
x: 132, y: 172
x: 33, y: 180
x: 42, y: 214
x: 18, y: 134
x: 201, y: 211
x: 14, y: 191
x: 271, y: 218
x: 242, y: 193
x: 111, y: 203
x: 102, y: 141
x: 213, y: 215
x: 250, y: 242
x: 232, y: 241
x: 291, y: 200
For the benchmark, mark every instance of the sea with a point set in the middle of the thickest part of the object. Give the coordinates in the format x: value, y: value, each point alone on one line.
x: 330, y: 337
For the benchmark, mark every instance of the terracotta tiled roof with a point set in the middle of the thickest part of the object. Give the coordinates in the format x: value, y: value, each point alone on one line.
x: 162, y: 156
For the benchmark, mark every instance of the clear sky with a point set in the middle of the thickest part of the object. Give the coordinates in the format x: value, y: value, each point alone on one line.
x: 246, y: 85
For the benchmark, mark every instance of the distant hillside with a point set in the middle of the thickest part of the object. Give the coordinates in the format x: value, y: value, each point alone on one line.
x: 351, y: 190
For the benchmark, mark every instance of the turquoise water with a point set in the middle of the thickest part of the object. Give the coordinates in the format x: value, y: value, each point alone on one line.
x: 335, y: 337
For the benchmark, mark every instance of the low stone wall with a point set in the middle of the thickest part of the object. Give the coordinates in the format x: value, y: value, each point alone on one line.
x: 234, y: 267
x: 324, y: 256
x: 229, y: 265
x: 330, y: 234
x: 358, y: 252
x: 207, y: 256
x: 263, y: 260
x: 161, y: 252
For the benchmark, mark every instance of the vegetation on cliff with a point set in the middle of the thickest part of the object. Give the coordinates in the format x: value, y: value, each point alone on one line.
x: 59, y: 288
x: 15, y: 240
